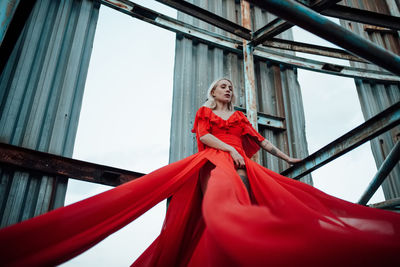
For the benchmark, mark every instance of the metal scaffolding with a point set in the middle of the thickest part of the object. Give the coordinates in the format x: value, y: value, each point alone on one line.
x: 253, y: 51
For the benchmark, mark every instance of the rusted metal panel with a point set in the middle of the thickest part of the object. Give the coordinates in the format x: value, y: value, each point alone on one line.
x: 370, y: 129
x: 377, y: 96
x: 388, y: 164
x: 41, y: 163
x: 324, y: 28
x: 41, y: 90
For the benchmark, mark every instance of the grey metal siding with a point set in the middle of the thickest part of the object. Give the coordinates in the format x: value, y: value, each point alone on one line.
x: 41, y: 93
x: 375, y: 97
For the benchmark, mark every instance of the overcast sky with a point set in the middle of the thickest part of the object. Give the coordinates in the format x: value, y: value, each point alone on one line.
x: 126, y: 113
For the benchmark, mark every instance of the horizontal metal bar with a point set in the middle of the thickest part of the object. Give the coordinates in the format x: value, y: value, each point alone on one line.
x: 208, y: 17
x: 268, y: 121
x: 311, y: 49
x: 387, y: 166
x: 279, y: 25
x: 373, y: 127
x: 388, y: 204
x: 42, y: 163
x: 326, y: 29
x: 160, y: 20
x: 362, y: 16
x: 324, y: 67
x: 171, y: 24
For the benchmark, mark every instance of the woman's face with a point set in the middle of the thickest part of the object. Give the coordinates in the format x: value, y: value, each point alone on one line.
x: 223, y: 92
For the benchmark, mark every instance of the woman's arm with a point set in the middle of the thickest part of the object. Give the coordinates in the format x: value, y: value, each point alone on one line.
x: 212, y: 141
x: 276, y: 152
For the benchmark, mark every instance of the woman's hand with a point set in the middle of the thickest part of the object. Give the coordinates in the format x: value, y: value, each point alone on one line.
x: 237, y: 159
x: 293, y: 160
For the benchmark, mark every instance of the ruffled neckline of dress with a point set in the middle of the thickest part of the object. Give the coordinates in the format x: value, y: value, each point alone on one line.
x: 234, y: 119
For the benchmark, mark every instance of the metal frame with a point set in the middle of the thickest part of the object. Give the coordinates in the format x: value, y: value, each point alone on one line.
x: 362, y: 16
x: 45, y: 163
x: 373, y: 127
x: 294, y: 13
x: 387, y: 166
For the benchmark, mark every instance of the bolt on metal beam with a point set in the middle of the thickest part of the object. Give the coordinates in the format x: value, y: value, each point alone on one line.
x: 387, y: 166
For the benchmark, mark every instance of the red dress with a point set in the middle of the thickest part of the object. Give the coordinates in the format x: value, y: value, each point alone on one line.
x: 285, y: 223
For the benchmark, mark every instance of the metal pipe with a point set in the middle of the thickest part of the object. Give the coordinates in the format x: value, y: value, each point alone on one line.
x: 278, y: 25
x: 391, y: 160
x: 370, y: 129
x: 324, y: 28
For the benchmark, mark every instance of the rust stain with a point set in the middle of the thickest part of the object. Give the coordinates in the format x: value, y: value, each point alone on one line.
x: 118, y: 4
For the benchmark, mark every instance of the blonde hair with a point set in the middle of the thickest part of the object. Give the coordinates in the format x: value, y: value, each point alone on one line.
x: 210, y: 99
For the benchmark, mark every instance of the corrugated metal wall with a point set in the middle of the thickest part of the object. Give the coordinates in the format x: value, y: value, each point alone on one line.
x: 375, y: 97
x: 198, y: 64
x: 41, y: 91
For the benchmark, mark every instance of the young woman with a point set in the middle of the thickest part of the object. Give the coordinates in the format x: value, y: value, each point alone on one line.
x: 225, y: 210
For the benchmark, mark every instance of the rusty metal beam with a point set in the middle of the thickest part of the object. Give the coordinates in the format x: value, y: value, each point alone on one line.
x: 208, y: 17
x: 311, y: 49
x: 171, y: 24
x: 248, y: 71
x: 42, y: 163
x: 324, y: 67
x: 387, y: 166
x: 330, y: 31
x: 268, y: 121
x: 362, y: 16
x: 373, y: 127
x: 279, y: 25
x: 235, y: 46
x: 388, y: 204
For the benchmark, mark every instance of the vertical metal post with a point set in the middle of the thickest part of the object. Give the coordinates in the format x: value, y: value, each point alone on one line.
x: 249, y: 78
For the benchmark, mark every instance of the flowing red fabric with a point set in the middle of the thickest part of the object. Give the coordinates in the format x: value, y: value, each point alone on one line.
x: 282, y: 223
